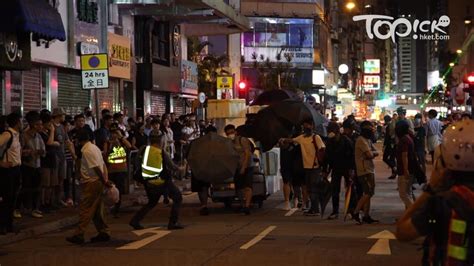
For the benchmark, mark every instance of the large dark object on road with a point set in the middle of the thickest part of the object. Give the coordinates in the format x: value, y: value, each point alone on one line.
x: 212, y: 158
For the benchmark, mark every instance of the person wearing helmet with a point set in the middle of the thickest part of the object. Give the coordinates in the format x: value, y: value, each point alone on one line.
x: 445, y: 211
x: 389, y: 148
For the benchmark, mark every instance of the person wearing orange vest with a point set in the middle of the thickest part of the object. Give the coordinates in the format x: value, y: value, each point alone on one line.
x: 156, y: 167
x: 444, y: 213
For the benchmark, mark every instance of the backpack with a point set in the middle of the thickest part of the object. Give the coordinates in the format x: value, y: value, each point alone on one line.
x: 415, y: 166
x: 320, y: 153
x: 458, y: 250
x: 7, y: 146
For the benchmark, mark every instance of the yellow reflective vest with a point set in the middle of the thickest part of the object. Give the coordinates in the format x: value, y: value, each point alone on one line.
x: 117, y: 159
x: 152, y: 165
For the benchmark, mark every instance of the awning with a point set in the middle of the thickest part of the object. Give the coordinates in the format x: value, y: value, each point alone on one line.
x: 35, y: 16
x: 200, y: 17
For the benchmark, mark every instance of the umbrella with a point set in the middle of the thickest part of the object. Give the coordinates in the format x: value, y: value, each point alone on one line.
x: 347, y: 200
x: 325, y: 194
x: 212, y: 158
x: 272, y: 97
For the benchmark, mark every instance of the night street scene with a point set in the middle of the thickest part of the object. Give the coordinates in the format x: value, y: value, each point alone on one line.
x: 236, y: 132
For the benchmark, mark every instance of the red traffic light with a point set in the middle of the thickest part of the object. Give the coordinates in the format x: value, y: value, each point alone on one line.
x: 242, y: 85
x: 469, y: 79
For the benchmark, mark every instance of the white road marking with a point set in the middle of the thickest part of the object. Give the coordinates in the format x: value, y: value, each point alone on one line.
x: 157, y: 234
x: 259, y: 237
x: 291, y: 212
x: 382, y: 246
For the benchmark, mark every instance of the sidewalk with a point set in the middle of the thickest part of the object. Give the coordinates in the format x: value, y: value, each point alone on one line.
x: 30, y: 227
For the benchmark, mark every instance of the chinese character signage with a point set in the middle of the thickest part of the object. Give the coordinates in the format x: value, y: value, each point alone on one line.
x: 372, y: 66
x: 371, y: 82
x: 95, y: 73
x: 119, y: 56
x: 189, y: 75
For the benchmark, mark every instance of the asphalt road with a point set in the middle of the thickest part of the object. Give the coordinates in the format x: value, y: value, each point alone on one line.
x: 229, y: 238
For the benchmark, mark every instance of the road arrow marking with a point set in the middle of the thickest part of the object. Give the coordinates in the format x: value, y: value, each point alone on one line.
x: 382, y: 246
x: 143, y: 242
x: 259, y: 237
x: 291, y: 212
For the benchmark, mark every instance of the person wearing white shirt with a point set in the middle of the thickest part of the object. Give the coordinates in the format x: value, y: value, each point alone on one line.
x: 10, y: 173
x: 94, y: 178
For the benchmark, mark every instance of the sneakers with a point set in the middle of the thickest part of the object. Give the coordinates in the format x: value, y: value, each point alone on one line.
x: 175, y: 226
x: 333, y: 216
x: 166, y: 201
x: 299, y: 205
x: 69, y: 202
x: 311, y: 213
x: 393, y: 176
x: 101, y: 237
x: 369, y: 220
x: 77, y: 239
x: 356, y: 217
x: 286, y: 206
x: 37, y: 214
x: 204, y: 211
x: 136, y: 225
x: 17, y: 214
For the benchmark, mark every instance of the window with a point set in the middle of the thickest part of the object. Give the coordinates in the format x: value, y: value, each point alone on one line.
x: 161, y: 43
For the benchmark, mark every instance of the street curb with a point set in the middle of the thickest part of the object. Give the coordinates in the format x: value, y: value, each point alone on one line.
x: 39, y: 230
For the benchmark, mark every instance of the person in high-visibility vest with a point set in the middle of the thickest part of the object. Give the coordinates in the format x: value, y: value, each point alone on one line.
x: 156, y: 167
x: 445, y: 211
x: 116, y: 159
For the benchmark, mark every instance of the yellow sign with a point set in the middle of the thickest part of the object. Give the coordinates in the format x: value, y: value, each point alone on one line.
x: 94, y: 62
x: 225, y: 82
x: 119, y: 56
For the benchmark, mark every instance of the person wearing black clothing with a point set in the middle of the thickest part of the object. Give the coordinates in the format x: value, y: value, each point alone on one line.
x: 420, y: 141
x: 154, y: 191
x: 102, y: 134
x: 389, y: 148
x: 177, y: 127
x: 339, y: 155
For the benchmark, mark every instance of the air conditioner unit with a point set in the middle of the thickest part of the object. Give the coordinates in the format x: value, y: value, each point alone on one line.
x: 114, y: 14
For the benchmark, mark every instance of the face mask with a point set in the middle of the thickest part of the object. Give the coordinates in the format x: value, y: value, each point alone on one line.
x: 307, y: 131
x: 331, y: 135
x: 231, y: 136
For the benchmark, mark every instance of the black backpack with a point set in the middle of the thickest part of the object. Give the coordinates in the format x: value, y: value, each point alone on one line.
x: 7, y: 146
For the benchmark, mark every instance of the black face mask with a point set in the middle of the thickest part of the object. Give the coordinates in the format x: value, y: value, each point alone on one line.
x: 307, y: 131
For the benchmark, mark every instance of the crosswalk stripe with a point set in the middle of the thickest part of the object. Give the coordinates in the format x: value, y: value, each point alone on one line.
x: 259, y: 237
x: 291, y: 212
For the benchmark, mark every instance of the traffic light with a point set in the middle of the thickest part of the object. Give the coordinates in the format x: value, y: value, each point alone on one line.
x: 469, y: 83
x: 242, y: 85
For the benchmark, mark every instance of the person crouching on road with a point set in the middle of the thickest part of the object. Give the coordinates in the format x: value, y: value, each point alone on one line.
x: 156, y: 172
x: 244, y: 177
x: 444, y: 212
x: 94, y: 177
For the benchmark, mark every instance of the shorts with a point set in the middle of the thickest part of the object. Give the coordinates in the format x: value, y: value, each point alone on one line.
x: 49, y: 177
x: 367, y: 182
x: 286, y: 176
x: 245, y: 180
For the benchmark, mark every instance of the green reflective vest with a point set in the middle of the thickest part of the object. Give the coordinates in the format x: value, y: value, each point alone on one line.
x: 152, y: 165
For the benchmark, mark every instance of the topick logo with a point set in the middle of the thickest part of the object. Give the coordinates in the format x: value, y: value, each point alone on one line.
x: 423, y: 30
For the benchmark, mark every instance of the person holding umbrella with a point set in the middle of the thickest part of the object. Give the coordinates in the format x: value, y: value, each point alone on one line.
x: 156, y: 168
x: 312, y: 151
x: 244, y: 175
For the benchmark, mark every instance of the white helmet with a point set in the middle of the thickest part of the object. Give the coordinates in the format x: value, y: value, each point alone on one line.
x: 458, y: 146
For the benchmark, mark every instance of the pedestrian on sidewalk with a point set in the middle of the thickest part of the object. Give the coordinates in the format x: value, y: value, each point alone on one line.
x: 340, y: 158
x: 420, y: 141
x: 116, y: 159
x: 365, y: 153
x: 94, y: 178
x: 389, y: 148
x: 69, y: 184
x: 10, y: 172
x: 49, y: 171
x: 156, y: 173
x: 405, y: 150
x: 243, y: 179
x: 33, y: 149
x: 312, y: 151
x: 287, y: 152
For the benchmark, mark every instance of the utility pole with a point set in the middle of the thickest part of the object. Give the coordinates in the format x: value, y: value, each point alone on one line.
x: 103, y: 45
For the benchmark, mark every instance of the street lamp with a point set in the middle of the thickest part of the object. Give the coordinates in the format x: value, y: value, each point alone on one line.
x: 467, y: 20
x: 368, y: 6
x: 459, y: 51
x: 451, y: 64
x: 350, y: 5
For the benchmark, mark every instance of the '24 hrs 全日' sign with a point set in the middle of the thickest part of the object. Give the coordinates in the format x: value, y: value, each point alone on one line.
x: 95, y: 71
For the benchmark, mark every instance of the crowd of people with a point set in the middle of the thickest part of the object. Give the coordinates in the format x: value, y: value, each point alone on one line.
x: 41, y: 159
